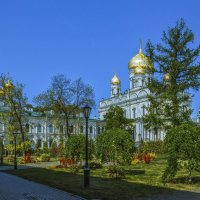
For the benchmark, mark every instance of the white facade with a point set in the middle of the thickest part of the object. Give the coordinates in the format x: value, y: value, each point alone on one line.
x: 40, y: 126
x: 133, y: 101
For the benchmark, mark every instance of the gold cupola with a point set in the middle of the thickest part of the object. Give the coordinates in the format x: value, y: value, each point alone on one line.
x: 167, y: 77
x: 8, y: 84
x: 139, y: 70
x: 115, y: 80
x: 139, y: 60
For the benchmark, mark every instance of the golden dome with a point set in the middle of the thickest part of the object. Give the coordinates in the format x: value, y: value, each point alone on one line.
x: 115, y: 80
x: 139, y: 70
x: 139, y: 59
x: 9, y: 84
x: 167, y: 77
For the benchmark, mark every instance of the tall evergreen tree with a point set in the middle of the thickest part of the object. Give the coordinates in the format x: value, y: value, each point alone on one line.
x: 176, y: 72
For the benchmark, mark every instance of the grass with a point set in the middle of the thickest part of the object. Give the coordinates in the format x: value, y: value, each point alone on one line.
x: 141, y: 180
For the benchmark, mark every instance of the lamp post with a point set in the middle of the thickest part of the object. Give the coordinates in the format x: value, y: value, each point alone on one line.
x: 86, y: 111
x: 15, y: 152
x: 1, y: 149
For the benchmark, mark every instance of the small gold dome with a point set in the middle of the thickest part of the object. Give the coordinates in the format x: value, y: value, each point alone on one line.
x: 139, y: 59
x: 115, y: 80
x: 139, y: 70
x: 9, y: 84
x: 167, y: 77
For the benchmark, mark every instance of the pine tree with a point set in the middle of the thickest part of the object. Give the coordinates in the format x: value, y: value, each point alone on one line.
x: 176, y: 72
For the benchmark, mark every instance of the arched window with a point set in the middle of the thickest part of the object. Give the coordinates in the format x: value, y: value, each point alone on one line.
x: 50, y: 142
x: 124, y: 113
x: 61, y: 129
x: 39, y: 143
x: 98, y: 130
x: 71, y: 129
x: 143, y: 110
x: 133, y: 83
x: 27, y: 128
x: 81, y: 129
x: 50, y: 128
x: 143, y: 83
x: 134, y: 113
x: 39, y: 128
x: 91, y: 129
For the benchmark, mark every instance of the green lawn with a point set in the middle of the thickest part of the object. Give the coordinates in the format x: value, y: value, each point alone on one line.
x: 141, y: 180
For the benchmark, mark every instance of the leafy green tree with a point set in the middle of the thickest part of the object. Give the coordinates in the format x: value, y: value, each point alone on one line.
x: 65, y: 98
x: 176, y: 72
x: 115, y: 119
x: 183, y: 144
x: 15, y: 103
x: 75, y: 147
x: 115, y: 145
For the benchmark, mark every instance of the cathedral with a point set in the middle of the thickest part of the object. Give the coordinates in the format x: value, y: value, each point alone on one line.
x: 133, y: 101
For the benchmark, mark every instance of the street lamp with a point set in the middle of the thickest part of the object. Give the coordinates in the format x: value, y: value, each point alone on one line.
x: 86, y: 112
x: 15, y: 144
x: 1, y: 149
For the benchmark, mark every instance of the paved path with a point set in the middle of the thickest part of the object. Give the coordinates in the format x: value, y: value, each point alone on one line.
x: 15, y: 188
x: 175, y: 195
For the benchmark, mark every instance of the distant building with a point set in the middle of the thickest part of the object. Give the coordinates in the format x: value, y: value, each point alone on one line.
x: 41, y: 127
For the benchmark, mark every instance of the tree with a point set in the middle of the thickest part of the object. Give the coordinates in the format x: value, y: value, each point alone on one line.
x: 176, y: 72
x: 115, y: 145
x: 75, y: 147
x: 183, y: 144
x: 115, y: 119
x: 65, y: 98
x: 15, y: 103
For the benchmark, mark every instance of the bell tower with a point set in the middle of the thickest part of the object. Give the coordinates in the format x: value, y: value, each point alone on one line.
x: 115, y: 86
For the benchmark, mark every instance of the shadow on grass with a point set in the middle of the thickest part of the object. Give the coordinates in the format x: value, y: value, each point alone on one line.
x: 135, y: 172
x: 100, y: 188
x: 195, y: 179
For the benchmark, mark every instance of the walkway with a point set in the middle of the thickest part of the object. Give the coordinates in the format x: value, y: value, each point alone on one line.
x: 15, y: 188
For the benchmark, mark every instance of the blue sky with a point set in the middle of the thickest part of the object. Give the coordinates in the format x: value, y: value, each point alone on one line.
x: 88, y: 39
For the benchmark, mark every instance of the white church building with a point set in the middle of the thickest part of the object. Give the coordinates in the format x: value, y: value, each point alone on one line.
x: 133, y: 101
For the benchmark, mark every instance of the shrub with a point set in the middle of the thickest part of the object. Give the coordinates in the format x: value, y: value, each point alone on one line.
x: 95, y: 165
x: 67, y: 162
x: 135, y: 161
x: 45, y: 149
x: 44, y: 158
x: 152, y: 146
x: 54, y: 150
x: 10, y: 158
x: 115, y: 145
x: 116, y: 171
x: 182, y: 144
x: 147, y: 158
x: 27, y: 159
